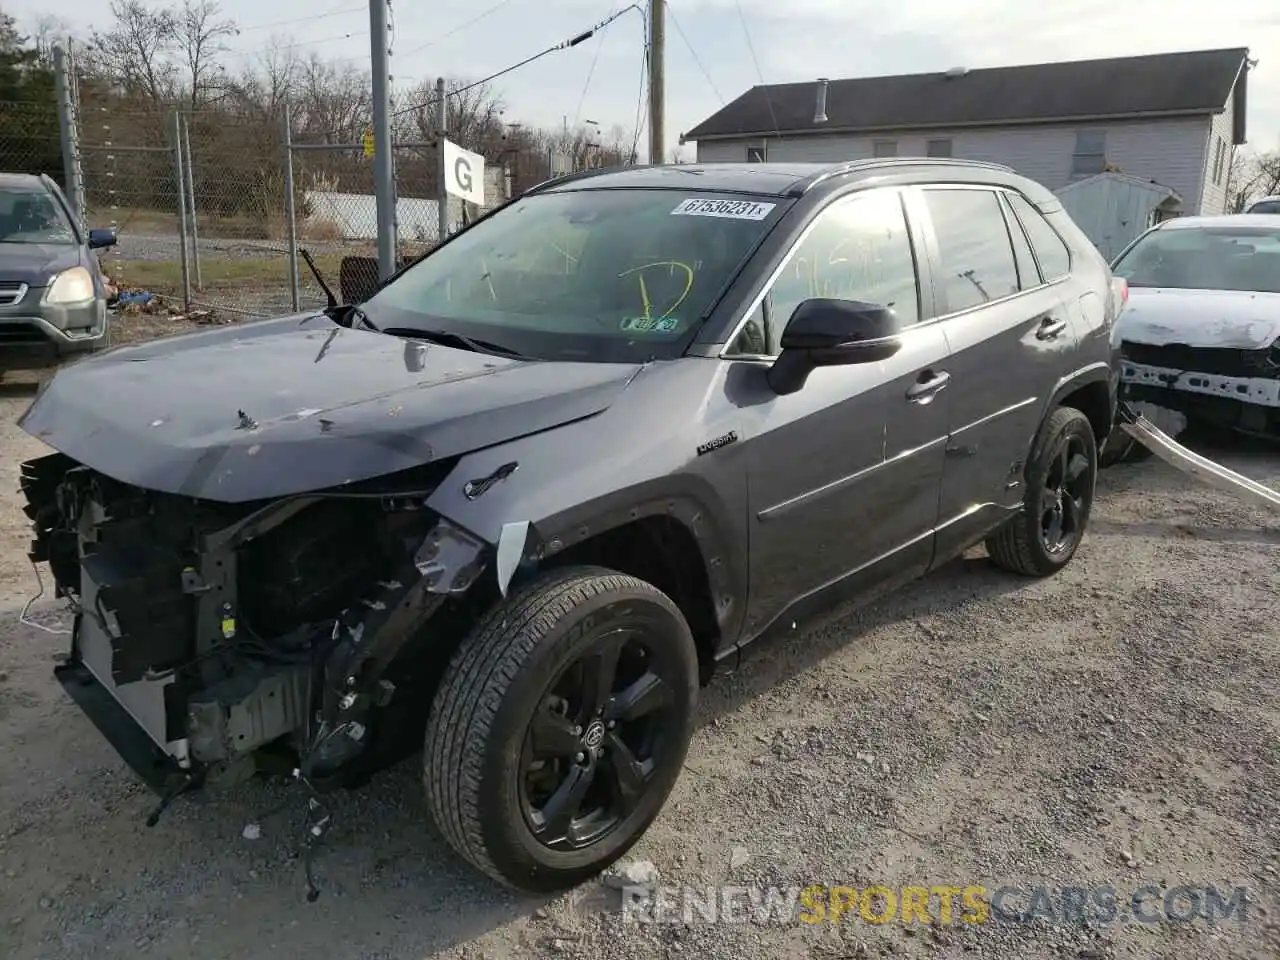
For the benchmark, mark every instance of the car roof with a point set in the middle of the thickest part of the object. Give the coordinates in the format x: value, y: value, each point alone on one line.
x: 783, y: 179
x: 21, y: 181
x: 1254, y: 220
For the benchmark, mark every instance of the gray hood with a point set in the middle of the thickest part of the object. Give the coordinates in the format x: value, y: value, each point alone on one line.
x: 1230, y: 319
x: 34, y: 263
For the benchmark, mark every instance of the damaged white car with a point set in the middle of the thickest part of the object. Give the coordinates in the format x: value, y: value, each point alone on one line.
x: 1199, y: 333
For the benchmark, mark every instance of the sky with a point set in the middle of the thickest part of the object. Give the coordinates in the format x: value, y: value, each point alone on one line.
x: 716, y: 49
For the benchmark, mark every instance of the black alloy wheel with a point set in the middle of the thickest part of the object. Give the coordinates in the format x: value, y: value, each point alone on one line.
x: 560, y: 727
x: 1043, y: 536
x: 1066, y: 486
x: 596, y: 740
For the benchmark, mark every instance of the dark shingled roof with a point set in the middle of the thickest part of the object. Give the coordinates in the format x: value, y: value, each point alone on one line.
x: 1166, y: 84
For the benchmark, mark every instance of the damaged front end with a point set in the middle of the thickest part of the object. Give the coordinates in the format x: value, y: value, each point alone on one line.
x: 1228, y: 387
x: 215, y: 640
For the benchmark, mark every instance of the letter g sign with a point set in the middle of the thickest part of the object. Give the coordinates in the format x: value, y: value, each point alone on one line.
x: 462, y: 174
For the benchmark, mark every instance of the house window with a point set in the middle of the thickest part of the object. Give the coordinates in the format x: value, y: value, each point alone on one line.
x: 755, y: 154
x: 884, y: 148
x: 1219, y: 160
x: 1091, y: 154
x: 938, y: 148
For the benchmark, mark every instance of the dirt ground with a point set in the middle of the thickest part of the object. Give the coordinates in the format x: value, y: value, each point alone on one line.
x: 1117, y: 725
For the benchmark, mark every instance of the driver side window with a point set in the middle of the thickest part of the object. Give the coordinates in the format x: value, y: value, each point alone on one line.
x: 857, y: 249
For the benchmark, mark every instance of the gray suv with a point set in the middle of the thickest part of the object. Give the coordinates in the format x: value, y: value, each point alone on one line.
x: 521, y: 502
x: 53, y: 301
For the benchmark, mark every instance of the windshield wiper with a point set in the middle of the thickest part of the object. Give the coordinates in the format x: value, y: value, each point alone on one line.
x: 355, y: 314
x: 449, y: 339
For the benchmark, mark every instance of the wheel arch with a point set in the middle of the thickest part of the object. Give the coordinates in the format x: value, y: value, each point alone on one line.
x: 1091, y: 390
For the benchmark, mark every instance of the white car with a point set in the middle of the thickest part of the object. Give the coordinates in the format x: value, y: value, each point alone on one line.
x: 1199, y: 333
x: 1265, y: 205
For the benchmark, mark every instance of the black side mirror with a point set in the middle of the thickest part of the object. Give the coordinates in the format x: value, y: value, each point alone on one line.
x: 103, y: 237
x: 827, y: 333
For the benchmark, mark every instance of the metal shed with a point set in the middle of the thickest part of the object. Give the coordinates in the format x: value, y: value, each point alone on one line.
x: 1113, y: 208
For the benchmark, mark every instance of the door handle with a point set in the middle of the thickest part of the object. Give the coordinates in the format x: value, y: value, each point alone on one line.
x: 1050, y: 329
x: 928, y: 386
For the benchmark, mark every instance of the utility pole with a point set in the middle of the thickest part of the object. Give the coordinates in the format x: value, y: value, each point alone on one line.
x: 657, y: 81
x: 384, y: 183
x: 442, y: 130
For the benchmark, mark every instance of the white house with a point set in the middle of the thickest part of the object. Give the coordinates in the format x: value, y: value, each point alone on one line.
x: 1173, y: 118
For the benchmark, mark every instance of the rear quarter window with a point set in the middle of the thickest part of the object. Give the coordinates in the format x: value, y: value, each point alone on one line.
x: 1051, y: 250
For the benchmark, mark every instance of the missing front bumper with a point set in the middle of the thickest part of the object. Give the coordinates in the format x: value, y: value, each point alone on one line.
x: 1191, y: 463
x: 157, y: 769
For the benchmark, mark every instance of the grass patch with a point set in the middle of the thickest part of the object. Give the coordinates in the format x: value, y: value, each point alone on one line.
x: 222, y: 274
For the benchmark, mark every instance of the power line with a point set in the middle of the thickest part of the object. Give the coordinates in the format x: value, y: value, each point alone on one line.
x: 764, y: 87
x: 591, y: 71
x: 332, y: 12
x: 694, y: 53
x: 562, y: 45
x: 642, y: 96
x: 459, y: 28
x: 306, y: 43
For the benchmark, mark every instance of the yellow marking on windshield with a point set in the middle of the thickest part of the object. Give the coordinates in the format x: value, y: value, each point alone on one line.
x: 644, y: 292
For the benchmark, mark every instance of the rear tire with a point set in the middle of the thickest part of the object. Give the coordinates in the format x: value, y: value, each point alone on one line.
x: 1044, y: 535
x: 560, y: 727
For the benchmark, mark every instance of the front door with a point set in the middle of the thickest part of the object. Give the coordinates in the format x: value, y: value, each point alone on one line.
x: 844, y: 474
x: 1007, y: 331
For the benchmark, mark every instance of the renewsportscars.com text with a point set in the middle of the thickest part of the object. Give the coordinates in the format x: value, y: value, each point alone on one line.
x: 935, y: 904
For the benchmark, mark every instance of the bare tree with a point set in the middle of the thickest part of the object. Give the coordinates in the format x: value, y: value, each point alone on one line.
x: 133, y: 56
x: 48, y: 29
x: 264, y: 87
x: 198, y: 35
x: 1251, y: 176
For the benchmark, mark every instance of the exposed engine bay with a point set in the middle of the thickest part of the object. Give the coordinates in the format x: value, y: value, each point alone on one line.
x: 251, y: 636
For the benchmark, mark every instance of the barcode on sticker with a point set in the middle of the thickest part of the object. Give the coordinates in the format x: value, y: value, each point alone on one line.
x: 731, y: 209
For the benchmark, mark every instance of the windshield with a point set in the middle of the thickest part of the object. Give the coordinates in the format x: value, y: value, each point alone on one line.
x: 604, y: 275
x: 33, y: 216
x: 1205, y: 258
x: 1266, y: 206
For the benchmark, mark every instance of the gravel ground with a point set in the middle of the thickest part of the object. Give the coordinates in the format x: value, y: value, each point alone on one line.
x: 1115, y: 725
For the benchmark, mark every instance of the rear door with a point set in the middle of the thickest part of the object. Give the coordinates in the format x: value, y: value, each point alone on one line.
x: 1008, y: 331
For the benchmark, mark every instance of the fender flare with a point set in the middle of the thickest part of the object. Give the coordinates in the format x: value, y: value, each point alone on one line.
x: 523, y: 544
x: 1098, y: 372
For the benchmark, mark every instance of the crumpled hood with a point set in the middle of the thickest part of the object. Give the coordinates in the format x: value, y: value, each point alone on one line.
x: 34, y: 263
x: 1201, y: 318
x: 294, y: 404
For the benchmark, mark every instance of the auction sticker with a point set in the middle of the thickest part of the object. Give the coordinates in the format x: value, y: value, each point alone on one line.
x: 729, y: 209
x: 651, y: 324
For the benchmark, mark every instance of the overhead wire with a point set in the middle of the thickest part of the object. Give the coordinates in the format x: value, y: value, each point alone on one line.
x: 459, y: 28
x: 675, y: 22
x: 582, y: 37
x: 764, y: 87
x: 577, y: 114
x: 331, y: 12
x: 642, y: 97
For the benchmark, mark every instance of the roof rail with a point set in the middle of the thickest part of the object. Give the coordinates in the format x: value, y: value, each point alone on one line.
x: 852, y: 166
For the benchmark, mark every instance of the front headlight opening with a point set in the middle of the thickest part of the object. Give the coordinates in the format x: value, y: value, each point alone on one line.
x: 71, y: 286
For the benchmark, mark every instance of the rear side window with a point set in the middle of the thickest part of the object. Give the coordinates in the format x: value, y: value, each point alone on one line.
x: 977, y: 263
x: 1028, y: 272
x: 1054, y: 257
x: 1266, y: 206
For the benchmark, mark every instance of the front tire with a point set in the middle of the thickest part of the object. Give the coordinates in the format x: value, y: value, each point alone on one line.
x: 1044, y: 535
x: 560, y: 727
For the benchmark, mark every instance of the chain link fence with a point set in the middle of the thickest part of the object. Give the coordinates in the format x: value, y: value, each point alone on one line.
x: 29, y: 139
x: 202, y: 205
